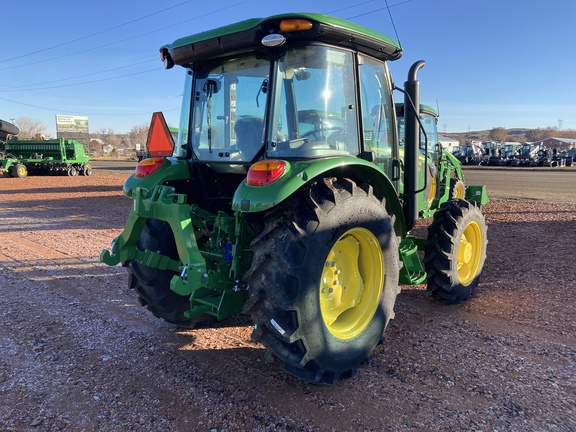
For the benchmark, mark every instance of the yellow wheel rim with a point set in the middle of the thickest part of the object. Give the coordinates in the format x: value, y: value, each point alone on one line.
x: 21, y: 171
x: 470, y: 253
x: 351, y: 283
x: 459, y: 191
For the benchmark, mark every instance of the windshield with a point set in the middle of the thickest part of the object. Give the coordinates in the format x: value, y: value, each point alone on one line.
x: 229, y: 104
x: 314, y: 105
x: 312, y: 102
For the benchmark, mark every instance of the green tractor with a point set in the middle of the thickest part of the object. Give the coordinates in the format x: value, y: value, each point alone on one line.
x: 291, y: 192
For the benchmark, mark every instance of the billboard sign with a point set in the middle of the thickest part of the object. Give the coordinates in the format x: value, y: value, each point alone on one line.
x: 74, y: 124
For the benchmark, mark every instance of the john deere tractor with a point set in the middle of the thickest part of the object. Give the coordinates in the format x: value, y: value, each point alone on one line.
x: 292, y: 190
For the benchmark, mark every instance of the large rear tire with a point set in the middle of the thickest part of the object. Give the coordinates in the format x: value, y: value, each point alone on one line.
x: 324, y: 280
x: 455, y: 250
x: 153, y: 285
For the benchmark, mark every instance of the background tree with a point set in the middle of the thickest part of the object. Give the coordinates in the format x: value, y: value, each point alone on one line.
x: 138, y: 135
x: 498, y: 134
x: 568, y: 133
x: 109, y: 138
x: 29, y: 127
x: 539, y: 134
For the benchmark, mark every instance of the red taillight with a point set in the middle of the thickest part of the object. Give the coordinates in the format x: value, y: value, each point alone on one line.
x: 147, y: 167
x: 265, y: 172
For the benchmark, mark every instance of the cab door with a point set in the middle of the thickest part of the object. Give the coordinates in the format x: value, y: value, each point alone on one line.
x: 378, y: 120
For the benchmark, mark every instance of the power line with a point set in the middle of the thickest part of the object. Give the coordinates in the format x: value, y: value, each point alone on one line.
x: 127, y: 39
x: 88, y: 82
x: 26, y: 87
x: 101, y: 31
x: 380, y: 9
x: 130, y: 38
x: 387, y: 7
x: 82, y: 113
x: 68, y: 55
x: 352, y: 7
x: 77, y: 52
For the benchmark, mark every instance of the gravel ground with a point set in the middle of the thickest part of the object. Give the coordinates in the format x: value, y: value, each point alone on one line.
x: 77, y: 353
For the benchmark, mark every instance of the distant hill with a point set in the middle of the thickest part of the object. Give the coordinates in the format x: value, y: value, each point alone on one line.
x: 513, y: 134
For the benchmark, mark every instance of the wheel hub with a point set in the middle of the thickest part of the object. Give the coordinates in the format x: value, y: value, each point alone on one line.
x: 469, y: 253
x: 351, y: 283
x: 465, y: 252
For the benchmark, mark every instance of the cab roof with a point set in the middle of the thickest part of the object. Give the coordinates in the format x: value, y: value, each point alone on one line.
x: 247, y: 35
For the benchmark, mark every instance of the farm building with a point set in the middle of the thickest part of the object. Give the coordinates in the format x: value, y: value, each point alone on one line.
x: 448, y: 143
x: 557, y: 143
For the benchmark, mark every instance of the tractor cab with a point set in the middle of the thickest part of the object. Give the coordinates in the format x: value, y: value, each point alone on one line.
x: 294, y: 102
x: 268, y: 90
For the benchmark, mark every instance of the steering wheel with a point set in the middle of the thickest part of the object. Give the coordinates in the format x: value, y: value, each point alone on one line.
x: 318, y: 132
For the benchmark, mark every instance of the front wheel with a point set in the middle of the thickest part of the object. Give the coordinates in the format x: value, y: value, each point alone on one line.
x: 457, y: 189
x: 324, y: 280
x: 455, y: 250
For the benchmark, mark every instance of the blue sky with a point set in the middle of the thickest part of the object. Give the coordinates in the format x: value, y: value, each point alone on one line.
x: 506, y: 63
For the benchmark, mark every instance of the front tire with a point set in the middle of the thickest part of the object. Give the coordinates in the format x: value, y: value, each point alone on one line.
x: 457, y: 189
x: 455, y: 250
x: 324, y: 280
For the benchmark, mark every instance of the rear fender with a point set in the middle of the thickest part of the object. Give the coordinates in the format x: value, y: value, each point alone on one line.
x: 172, y: 169
x: 254, y: 199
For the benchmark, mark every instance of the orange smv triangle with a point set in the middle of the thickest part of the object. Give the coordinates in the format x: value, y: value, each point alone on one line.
x: 159, y: 142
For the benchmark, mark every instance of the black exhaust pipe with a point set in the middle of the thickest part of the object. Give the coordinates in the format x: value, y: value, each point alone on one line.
x: 411, y: 143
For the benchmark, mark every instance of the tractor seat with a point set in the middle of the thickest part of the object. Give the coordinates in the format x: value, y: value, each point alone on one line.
x: 248, y: 136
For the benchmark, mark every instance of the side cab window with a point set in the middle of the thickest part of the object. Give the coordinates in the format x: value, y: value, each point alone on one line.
x: 377, y: 112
